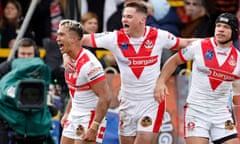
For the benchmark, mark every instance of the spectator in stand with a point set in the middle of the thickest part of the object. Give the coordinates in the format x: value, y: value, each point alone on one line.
x: 90, y: 23
x: 27, y: 48
x: 57, y: 14
x: 103, y: 9
x: 199, y: 23
x: 166, y: 16
x: 216, y: 7
x: 10, y: 23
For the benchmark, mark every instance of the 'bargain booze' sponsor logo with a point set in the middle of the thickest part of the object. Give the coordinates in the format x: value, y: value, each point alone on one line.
x: 217, y: 74
x: 142, y: 61
x: 94, y: 71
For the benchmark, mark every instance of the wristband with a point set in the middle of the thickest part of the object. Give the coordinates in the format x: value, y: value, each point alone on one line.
x: 95, y: 125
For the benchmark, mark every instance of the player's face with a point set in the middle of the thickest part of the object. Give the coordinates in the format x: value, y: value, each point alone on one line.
x: 223, y: 32
x: 25, y: 52
x: 132, y: 20
x: 63, y: 39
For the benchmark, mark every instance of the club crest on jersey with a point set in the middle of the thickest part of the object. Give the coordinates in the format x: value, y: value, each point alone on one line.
x: 146, y: 121
x: 191, y: 125
x: 229, y: 125
x: 231, y: 61
x: 170, y: 36
x: 209, y: 54
x: 148, y: 44
x: 124, y: 45
x: 184, y: 50
x: 79, y: 130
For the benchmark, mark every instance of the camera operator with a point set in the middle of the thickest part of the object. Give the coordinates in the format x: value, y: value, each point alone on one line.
x: 26, y: 125
x: 27, y: 48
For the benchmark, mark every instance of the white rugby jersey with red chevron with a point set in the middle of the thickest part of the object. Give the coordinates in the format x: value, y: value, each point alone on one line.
x: 88, y: 71
x: 213, y: 72
x: 138, y: 58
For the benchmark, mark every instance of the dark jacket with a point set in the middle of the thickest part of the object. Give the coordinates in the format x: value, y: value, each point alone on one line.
x: 5, y: 67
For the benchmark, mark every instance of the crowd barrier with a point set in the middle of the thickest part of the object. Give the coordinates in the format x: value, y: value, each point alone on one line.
x: 4, y: 52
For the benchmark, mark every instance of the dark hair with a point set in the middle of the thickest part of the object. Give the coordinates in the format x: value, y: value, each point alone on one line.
x: 4, y: 21
x: 232, y: 20
x: 139, y: 6
x: 27, y: 42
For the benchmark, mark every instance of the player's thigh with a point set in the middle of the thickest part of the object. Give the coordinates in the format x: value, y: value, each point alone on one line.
x: 146, y: 138
x: 232, y: 141
x: 196, y: 140
x: 66, y: 140
x: 127, y: 139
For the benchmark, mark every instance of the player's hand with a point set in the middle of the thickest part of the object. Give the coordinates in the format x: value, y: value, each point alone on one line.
x: 64, y: 120
x: 89, y: 137
x: 160, y: 92
x: 68, y: 64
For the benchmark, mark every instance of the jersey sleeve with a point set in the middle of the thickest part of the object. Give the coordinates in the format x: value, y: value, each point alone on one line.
x: 188, y: 52
x: 171, y: 42
x: 93, y: 72
x: 104, y: 40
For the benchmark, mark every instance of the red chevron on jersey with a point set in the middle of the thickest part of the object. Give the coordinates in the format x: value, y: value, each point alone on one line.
x: 216, y: 77
x: 71, y: 78
x: 137, y: 61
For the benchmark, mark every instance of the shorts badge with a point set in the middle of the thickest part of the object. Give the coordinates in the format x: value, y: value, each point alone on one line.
x: 79, y: 130
x: 191, y: 125
x: 146, y: 121
x: 229, y: 125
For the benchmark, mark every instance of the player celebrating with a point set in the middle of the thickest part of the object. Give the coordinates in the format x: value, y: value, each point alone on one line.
x: 137, y: 49
x: 215, y: 70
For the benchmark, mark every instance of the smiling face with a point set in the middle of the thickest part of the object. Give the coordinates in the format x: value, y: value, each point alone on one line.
x: 223, y: 32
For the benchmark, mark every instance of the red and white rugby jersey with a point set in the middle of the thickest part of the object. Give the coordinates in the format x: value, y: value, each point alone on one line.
x: 213, y: 72
x: 138, y: 58
x: 88, y: 71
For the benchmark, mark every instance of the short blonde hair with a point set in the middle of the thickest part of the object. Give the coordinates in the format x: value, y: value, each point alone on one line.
x: 73, y: 26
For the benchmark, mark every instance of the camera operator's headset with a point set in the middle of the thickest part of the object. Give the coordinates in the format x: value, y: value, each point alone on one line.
x: 30, y: 41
